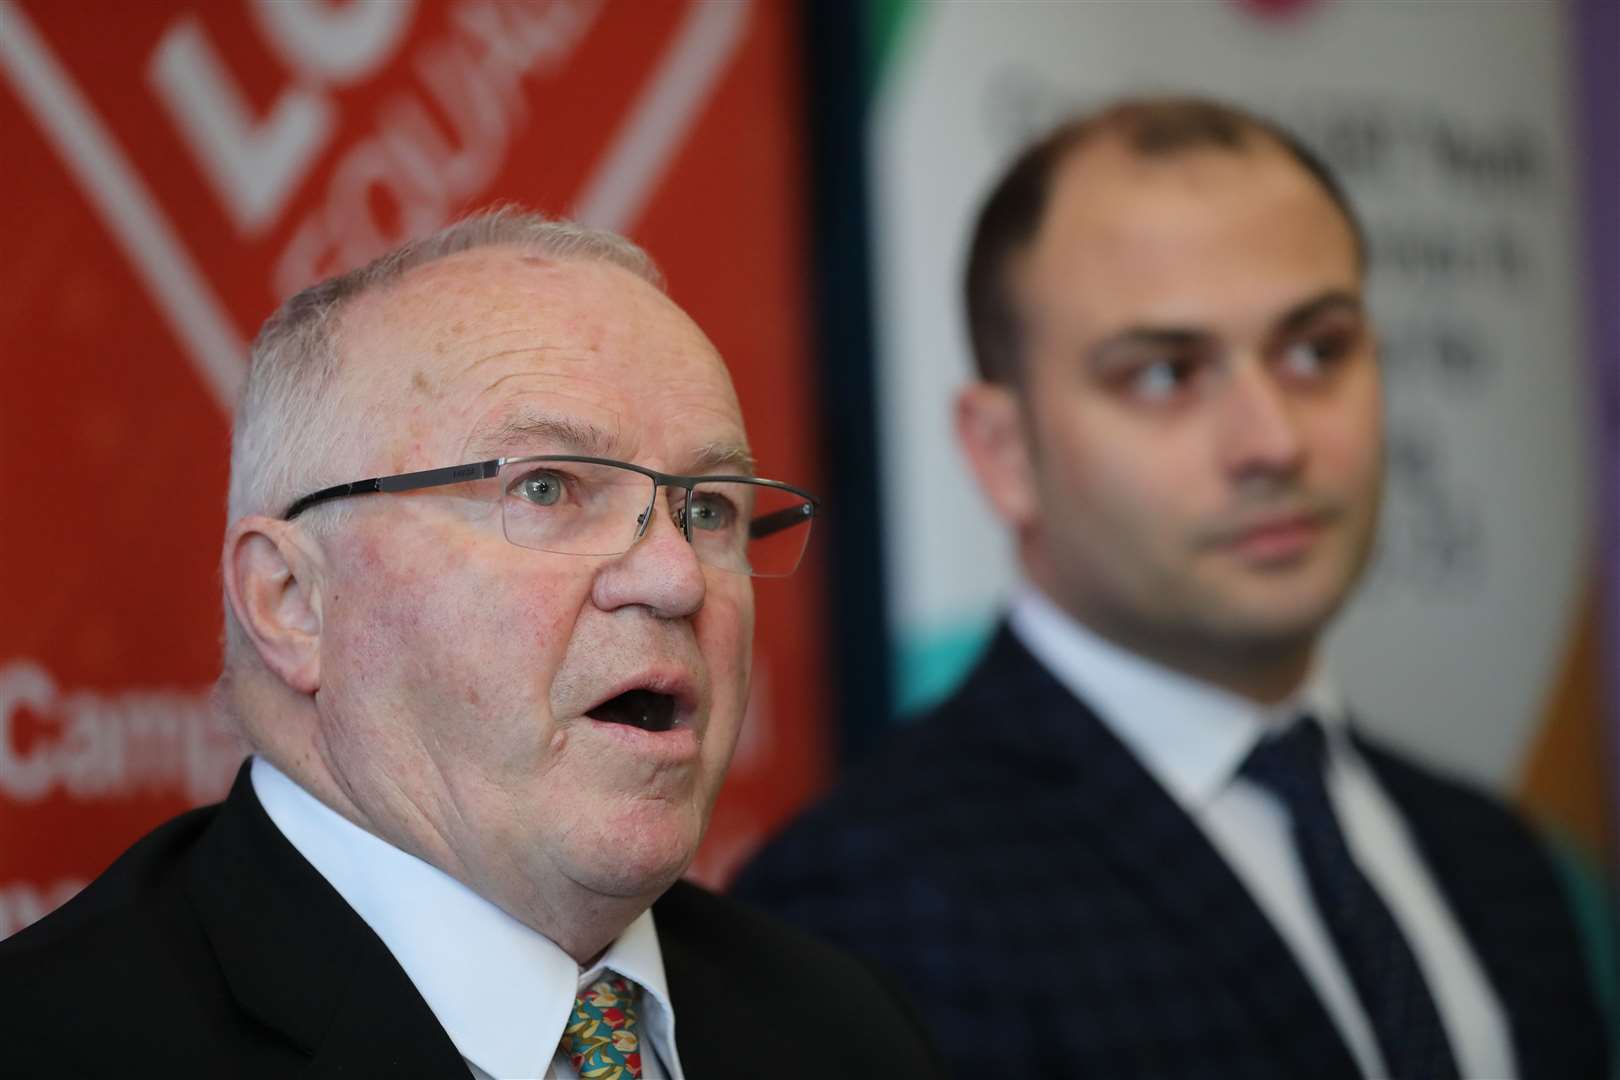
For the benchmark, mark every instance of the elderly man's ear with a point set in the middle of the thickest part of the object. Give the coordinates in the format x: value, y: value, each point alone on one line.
x: 273, y: 583
x: 991, y: 427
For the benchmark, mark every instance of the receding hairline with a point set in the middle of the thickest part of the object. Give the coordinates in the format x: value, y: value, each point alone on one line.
x: 444, y: 312
x: 501, y: 227
x: 1013, y: 216
x: 516, y: 429
x: 1105, y: 171
x: 516, y: 251
x: 284, y: 421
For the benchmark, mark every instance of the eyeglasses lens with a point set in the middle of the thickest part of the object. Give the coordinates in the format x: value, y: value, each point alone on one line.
x: 584, y: 508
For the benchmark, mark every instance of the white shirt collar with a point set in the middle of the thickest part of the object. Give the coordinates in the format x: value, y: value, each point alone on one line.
x: 1191, y: 736
x: 502, y: 991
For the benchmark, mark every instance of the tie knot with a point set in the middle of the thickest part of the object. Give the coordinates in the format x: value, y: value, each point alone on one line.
x: 1289, y: 764
x: 603, y: 1037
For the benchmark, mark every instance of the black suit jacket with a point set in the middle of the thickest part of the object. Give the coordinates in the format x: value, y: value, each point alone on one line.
x: 1054, y: 912
x: 213, y: 949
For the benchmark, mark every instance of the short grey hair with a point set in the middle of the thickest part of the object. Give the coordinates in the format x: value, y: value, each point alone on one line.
x: 290, y: 428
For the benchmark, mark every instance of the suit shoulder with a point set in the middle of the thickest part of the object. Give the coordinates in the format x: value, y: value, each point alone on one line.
x: 913, y: 824
x: 1486, y: 853
x: 1444, y: 807
x: 1503, y: 884
x: 1495, y: 867
x: 145, y: 874
x: 874, y: 821
x: 735, y: 933
x: 716, y: 948
x: 117, y: 965
x: 963, y: 747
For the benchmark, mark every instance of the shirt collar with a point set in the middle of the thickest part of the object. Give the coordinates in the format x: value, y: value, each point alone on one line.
x: 1191, y: 736
x: 502, y: 991
x: 637, y: 957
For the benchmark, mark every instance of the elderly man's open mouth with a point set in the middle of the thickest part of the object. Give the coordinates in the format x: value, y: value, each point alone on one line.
x: 641, y: 708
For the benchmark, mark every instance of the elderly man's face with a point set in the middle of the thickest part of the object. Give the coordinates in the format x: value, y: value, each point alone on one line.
x: 463, y: 679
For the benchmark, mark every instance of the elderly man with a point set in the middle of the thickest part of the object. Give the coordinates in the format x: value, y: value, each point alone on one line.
x: 1144, y: 839
x: 492, y: 692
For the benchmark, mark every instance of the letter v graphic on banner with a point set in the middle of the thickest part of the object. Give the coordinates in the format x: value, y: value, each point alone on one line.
x: 617, y: 190
x: 116, y: 192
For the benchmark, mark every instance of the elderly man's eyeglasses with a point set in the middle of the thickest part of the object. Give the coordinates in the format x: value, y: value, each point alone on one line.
x: 572, y: 505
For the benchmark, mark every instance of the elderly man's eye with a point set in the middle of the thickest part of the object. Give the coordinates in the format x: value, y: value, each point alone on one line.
x: 540, y: 488
x: 712, y: 512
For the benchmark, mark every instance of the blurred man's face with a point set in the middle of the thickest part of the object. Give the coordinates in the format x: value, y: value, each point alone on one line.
x: 1201, y: 397
x: 472, y: 694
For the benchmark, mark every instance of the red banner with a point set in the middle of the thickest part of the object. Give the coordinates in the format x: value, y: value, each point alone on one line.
x: 173, y: 172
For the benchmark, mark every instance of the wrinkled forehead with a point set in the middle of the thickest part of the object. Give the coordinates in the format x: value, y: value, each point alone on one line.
x: 499, y: 352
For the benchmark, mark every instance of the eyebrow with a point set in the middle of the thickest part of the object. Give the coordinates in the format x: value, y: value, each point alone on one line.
x: 1101, y: 355
x: 524, y: 430
x: 724, y: 457
x: 1318, y: 306
x: 1180, y: 337
x: 569, y: 435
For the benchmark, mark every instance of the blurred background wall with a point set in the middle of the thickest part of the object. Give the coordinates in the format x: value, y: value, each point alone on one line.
x: 805, y: 173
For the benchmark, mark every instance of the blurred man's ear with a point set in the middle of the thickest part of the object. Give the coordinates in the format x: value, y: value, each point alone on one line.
x: 990, y: 427
x: 272, y: 585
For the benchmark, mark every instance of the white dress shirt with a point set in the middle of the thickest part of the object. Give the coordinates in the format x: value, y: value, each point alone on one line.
x: 1193, y: 738
x: 501, y: 991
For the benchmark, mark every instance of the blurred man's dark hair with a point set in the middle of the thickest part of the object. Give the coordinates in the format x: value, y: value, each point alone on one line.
x: 1010, y: 218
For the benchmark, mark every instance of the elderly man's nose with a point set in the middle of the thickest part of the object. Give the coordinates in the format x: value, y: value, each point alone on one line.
x: 659, y: 572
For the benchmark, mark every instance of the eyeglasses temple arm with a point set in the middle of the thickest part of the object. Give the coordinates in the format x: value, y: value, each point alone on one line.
x: 450, y: 474
x: 775, y: 522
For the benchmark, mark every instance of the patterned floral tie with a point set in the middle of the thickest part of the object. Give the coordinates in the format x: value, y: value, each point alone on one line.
x: 603, y: 1038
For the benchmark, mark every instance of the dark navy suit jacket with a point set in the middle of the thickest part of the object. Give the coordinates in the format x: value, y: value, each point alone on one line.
x: 213, y: 949
x: 1055, y: 913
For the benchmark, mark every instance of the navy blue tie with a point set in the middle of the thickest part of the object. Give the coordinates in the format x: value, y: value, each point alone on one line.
x: 1386, y: 974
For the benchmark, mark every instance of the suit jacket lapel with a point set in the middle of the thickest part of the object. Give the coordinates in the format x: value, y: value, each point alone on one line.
x: 1502, y: 892
x: 300, y: 960
x: 1164, y: 856
x: 714, y: 1010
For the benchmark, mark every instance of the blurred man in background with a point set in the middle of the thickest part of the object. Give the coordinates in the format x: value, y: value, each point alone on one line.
x: 1145, y: 838
x: 492, y: 692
